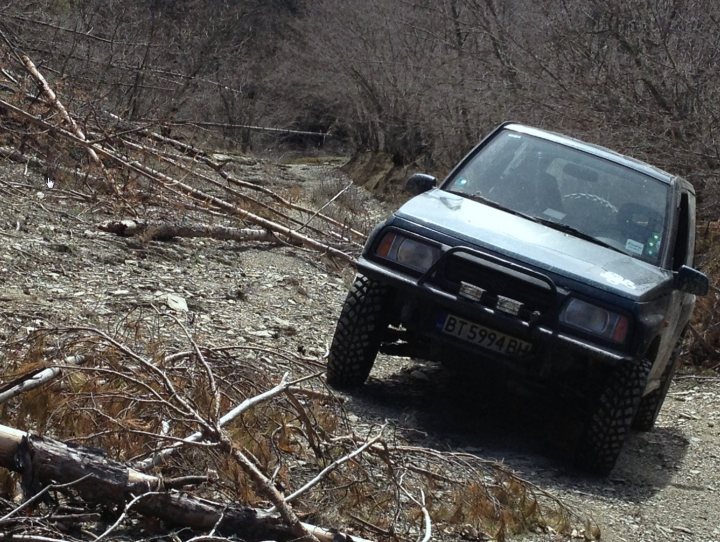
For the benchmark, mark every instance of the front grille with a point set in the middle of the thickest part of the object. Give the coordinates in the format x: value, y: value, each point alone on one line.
x: 498, y: 280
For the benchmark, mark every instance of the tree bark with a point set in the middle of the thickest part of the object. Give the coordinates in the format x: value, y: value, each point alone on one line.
x: 97, y: 478
x: 165, y: 232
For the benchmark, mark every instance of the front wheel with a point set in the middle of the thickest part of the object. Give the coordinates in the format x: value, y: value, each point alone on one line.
x: 611, y: 418
x: 360, y: 328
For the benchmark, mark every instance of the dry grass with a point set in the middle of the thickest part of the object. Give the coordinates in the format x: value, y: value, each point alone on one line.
x: 344, y: 202
x: 121, y: 401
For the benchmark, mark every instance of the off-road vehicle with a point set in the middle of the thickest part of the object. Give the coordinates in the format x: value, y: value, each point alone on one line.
x: 568, y: 263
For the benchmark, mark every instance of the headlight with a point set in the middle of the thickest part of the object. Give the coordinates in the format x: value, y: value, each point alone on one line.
x: 596, y: 320
x: 407, y: 252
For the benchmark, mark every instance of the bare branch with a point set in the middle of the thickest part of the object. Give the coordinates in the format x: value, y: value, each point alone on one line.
x: 37, y: 379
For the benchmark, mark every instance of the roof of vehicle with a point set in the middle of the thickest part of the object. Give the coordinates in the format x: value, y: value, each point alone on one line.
x: 596, y: 150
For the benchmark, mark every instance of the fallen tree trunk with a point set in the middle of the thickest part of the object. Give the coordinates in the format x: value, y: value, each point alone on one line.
x: 165, y: 232
x: 99, y: 479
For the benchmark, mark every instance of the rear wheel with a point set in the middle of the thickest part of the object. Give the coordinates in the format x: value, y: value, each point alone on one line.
x: 360, y: 328
x: 612, y: 416
x: 652, y: 403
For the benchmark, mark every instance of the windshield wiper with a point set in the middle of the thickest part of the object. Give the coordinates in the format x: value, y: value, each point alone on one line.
x: 577, y: 233
x: 491, y: 203
x: 550, y: 223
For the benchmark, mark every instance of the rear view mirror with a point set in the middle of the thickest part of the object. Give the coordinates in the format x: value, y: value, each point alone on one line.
x: 580, y: 172
x: 419, y: 183
x: 691, y: 281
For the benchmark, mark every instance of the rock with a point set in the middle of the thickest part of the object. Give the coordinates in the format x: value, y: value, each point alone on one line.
x: 284, y: 326
x: 176, y: 303
x: 262, y: 333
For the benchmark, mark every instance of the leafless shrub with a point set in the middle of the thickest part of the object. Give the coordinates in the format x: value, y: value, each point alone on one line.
x: 344, y: 201
x: 704, y: 337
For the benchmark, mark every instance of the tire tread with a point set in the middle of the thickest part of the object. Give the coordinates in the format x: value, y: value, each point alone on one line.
x: 610, y: 422
x: 358, y: 333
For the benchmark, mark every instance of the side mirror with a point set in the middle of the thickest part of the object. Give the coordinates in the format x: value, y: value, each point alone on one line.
x: 419, y: 183
x: 691, y: 281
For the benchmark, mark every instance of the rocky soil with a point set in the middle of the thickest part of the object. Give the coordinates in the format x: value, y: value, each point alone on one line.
x: 57, y: 268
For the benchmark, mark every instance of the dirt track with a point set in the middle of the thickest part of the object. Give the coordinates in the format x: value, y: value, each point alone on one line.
x: 56, y: 267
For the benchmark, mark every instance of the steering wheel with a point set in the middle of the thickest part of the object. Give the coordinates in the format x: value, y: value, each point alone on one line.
x: 593, y: 213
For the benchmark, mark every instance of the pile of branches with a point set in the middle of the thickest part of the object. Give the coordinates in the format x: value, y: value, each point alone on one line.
x: 136, y: 164
x: 234, y: 442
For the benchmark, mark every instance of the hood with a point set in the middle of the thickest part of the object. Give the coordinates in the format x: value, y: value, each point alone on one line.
x: 557, y: 253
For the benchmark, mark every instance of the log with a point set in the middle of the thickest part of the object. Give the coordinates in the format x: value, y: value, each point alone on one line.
x: 99, y: 479
x: 164, y: 232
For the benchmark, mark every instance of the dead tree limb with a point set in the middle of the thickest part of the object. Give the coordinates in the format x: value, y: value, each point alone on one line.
x: 199, y: 155
x: 195, y: 153
x: 166, y: 181
x: 97, y: 478
x: 264, y: 484
x: 244, y: 197
x: 164, y: 232
x: 234, y: 209
x: 58, y: 105
x: 224, y: 420
x: 245, y: 127
x: 36, y: 379
x: 332, y: 466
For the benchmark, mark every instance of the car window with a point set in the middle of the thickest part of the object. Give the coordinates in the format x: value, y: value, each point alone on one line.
x: 614, y: 204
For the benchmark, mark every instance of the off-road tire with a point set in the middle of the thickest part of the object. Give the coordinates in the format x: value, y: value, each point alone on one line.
x: 651, y: 404
x: 610, y: 420
x: 360, y: 328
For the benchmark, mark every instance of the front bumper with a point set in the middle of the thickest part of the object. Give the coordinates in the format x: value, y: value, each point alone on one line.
x: 545, y: 337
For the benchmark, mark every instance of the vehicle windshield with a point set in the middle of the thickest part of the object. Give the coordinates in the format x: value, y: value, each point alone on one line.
x: 569, y: 189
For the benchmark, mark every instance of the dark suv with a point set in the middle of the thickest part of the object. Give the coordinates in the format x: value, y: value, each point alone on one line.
x: 566, y: 262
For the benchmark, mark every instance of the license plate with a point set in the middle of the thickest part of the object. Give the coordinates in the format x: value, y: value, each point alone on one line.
x: 482, y: 336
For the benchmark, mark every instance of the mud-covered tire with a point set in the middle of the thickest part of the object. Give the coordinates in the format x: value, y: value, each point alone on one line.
x: 610, y: 421
x: 359, y: 331
x: 651, y: 404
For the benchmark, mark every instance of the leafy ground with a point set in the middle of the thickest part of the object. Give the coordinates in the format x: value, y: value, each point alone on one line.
x: 57, y: 269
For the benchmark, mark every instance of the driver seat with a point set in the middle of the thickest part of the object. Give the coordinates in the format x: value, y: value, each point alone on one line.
x: 529, y: 187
